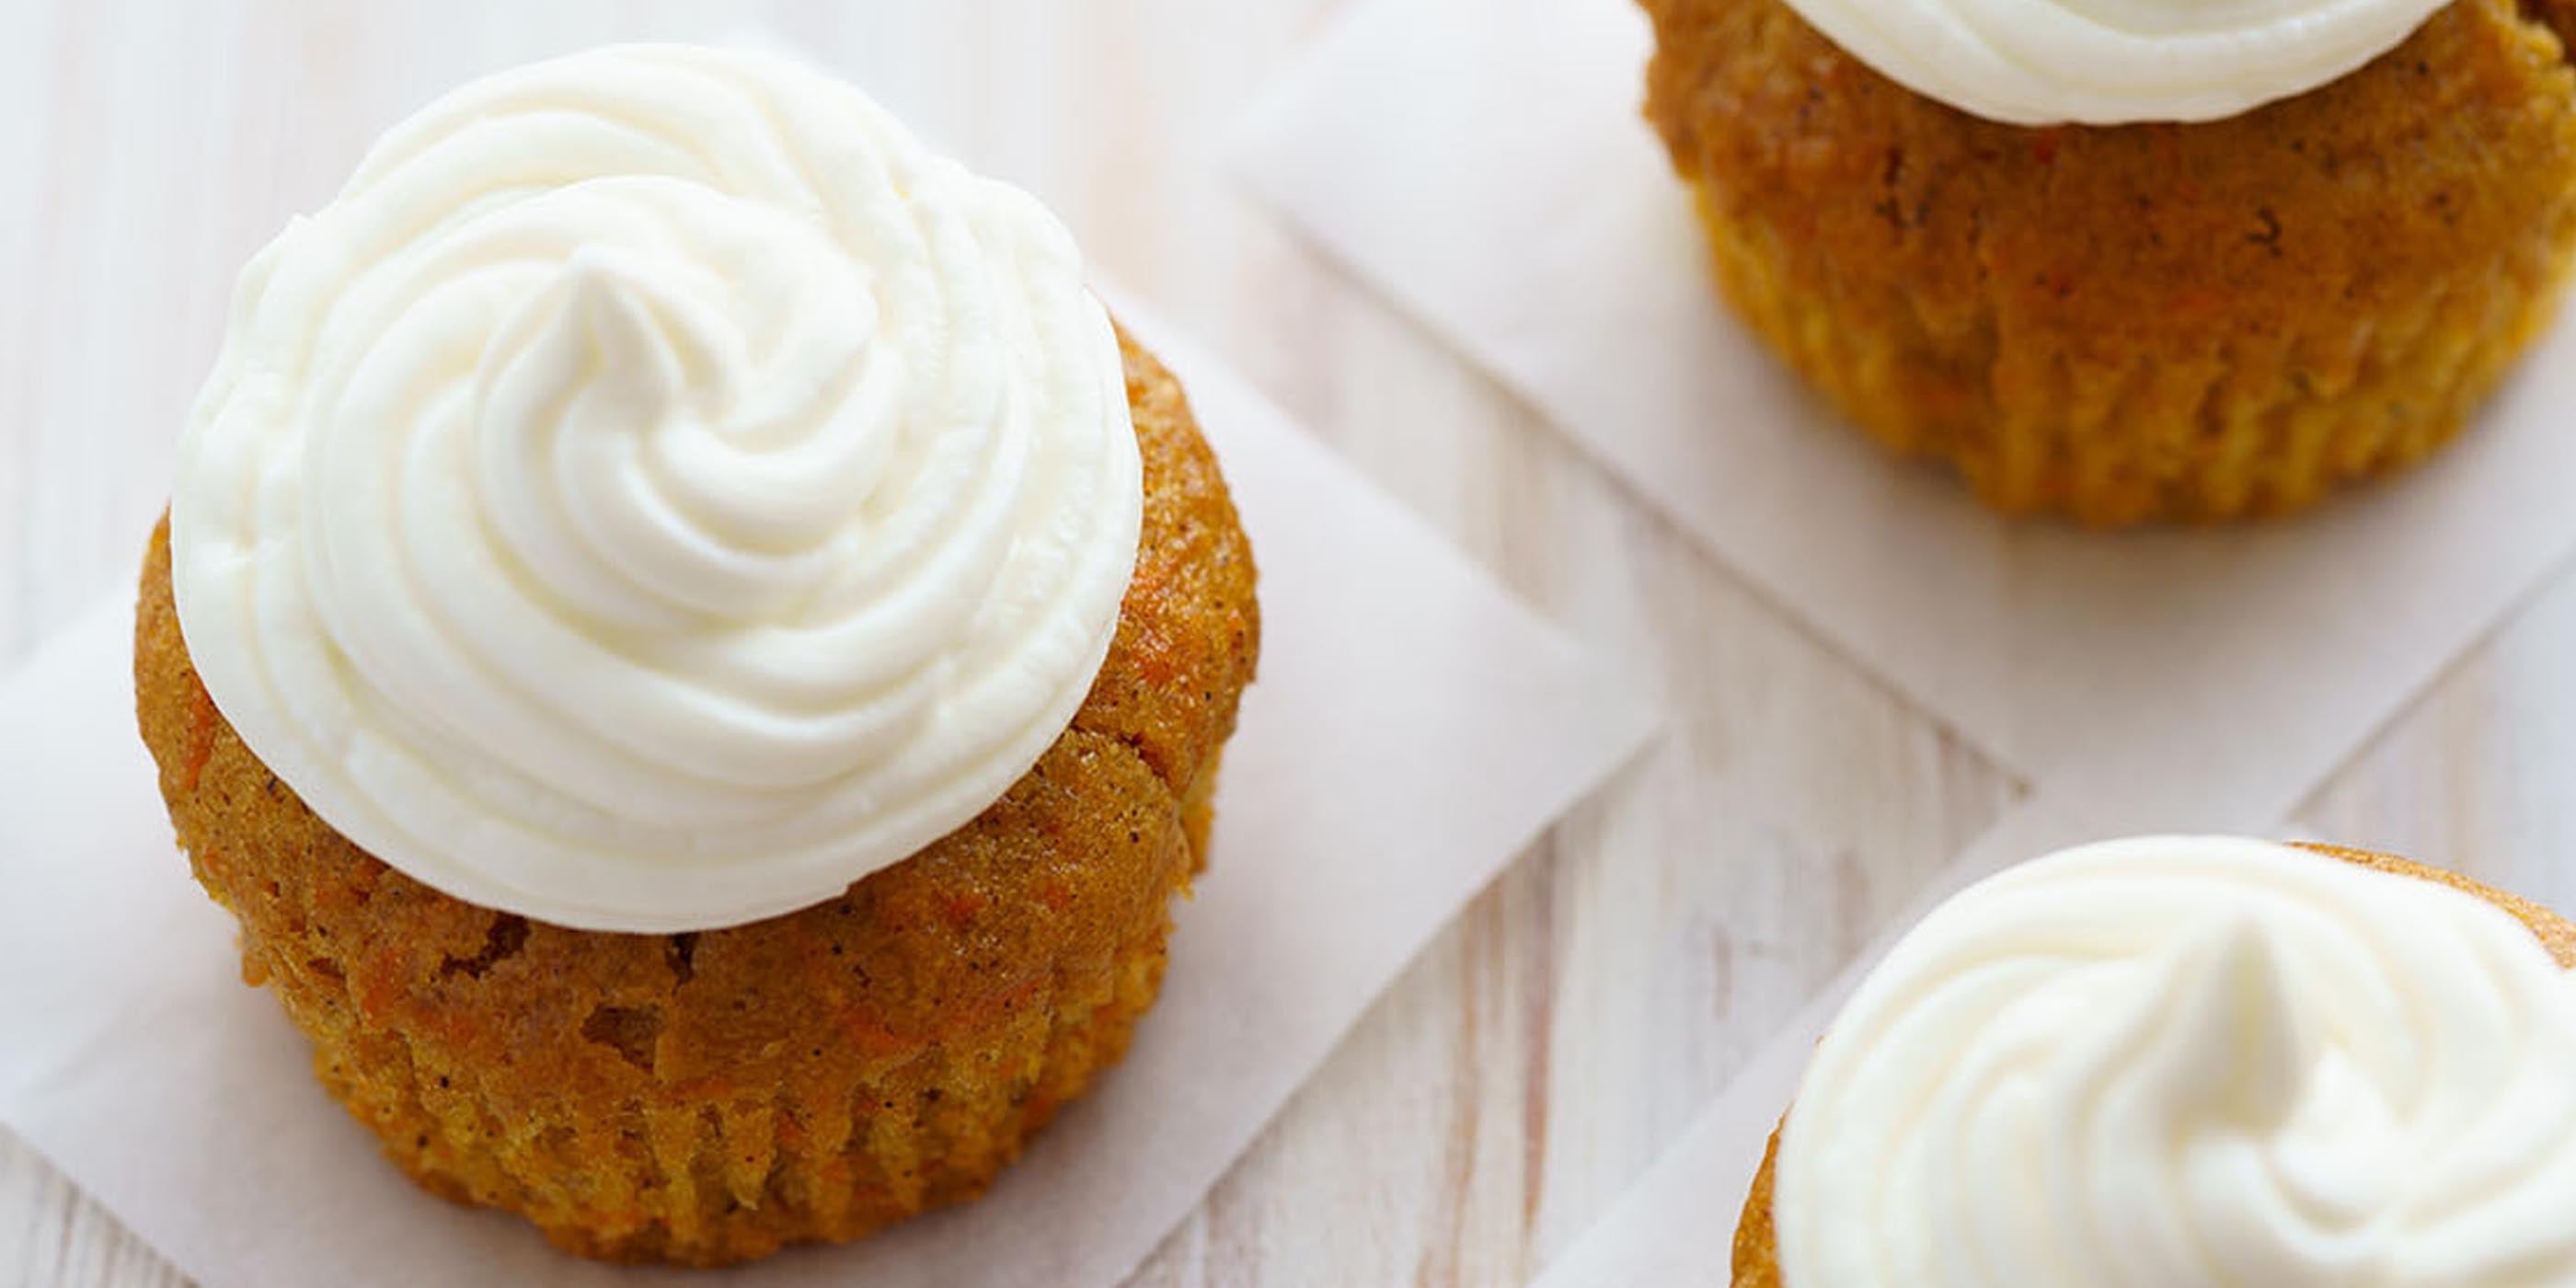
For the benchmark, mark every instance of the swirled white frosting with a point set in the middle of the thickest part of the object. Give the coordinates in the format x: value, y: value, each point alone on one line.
x: 2111, y: 62
x: 2193, y: 1063
x: 657, y: 492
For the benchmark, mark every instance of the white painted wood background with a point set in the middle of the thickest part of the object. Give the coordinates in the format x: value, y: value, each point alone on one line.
x: 1539, y: 1055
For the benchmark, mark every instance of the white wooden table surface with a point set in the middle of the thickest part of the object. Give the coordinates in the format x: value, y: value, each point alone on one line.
x: 1535, y: 1060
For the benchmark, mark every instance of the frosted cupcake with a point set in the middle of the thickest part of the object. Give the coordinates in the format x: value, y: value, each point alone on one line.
x: 695, y: 652
x: 2134, y: 259
x: 2190, y: 1062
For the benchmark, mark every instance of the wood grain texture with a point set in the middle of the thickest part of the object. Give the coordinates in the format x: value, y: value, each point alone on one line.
x: 1540, y: 1054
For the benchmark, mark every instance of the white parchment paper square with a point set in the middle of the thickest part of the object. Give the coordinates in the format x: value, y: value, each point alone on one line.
x: 1413, y: 727
x: 1484, y: 163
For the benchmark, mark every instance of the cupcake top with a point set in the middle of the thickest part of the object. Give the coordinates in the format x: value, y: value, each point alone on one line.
x: 2192, y: 1063
x: 656, y: 493
x: 2113, y: 62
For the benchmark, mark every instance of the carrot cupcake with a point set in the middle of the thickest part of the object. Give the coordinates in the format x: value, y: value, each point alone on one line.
x: 2190, y: 1061
x: 2134, y: 260
x: 695, y: 653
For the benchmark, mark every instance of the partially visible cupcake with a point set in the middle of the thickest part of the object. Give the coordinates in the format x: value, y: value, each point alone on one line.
x: 696, y: 654
x: 2186, y: 1062
x: 2149, y: 260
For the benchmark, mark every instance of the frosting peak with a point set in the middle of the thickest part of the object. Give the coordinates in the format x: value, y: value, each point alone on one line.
x: 2193, y: 1063
x: 2112, y: 62
x: 2223, y: 1035
x: 657, y: 492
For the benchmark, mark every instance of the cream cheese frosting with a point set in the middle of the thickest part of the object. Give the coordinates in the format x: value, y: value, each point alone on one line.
x: 657, y: 492
x: 2113, y: 62
x: 2193, y: 1063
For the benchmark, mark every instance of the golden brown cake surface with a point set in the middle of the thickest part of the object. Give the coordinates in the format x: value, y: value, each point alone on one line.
x: 707, y: 1097
x: 2137, y: 322
x: 1756, y: 1258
